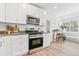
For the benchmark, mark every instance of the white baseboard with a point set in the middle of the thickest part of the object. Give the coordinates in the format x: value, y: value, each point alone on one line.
x: 73, y: 39
x: 22, y: 53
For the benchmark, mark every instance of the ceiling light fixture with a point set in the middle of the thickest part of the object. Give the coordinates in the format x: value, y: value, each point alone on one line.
x: 55, y: 7
x: 45, y: 12
x: 24, y: 5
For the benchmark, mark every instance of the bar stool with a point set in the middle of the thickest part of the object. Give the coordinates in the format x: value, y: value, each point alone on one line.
x: 60, y: 37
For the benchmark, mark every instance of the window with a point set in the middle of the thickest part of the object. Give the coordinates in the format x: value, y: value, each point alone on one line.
x: 71, y: 26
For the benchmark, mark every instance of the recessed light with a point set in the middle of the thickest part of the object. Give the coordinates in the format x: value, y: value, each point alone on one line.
x: 55, y: 6
x: 24, y: 5
x: 45, y: 12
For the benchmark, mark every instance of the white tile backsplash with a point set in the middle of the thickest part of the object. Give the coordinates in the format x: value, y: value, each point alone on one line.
x: 2, y: 26
x: 21, y: 26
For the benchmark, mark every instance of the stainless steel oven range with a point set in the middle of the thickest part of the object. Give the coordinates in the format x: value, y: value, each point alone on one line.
x: 35, y: 41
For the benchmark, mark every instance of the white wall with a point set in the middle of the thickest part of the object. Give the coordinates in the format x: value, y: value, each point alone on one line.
x: 3, y: 26
x: 21, y: 26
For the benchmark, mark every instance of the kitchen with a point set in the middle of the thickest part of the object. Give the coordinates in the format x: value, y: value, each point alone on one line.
x: 39, y: 29
x: 20, y: 26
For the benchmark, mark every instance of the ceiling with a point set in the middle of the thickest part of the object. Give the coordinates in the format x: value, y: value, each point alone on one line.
x: 58, y: 8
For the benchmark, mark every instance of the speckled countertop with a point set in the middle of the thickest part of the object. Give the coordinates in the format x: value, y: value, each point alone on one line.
x: 18, y: 33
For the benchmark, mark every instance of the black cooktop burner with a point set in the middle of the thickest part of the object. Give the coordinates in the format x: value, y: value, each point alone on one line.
x: 33, y: 32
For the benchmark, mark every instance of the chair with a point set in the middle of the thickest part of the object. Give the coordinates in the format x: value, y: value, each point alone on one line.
x: 60, y: 37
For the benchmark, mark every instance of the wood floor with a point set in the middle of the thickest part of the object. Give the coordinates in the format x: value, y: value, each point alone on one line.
x: 56, y: 49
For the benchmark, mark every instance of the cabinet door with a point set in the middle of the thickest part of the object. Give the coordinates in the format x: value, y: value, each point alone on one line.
x: 19, y: 44
x: 46, y: 40
x: 22, y: 13
x: 37, y: 12
x: 31, y: 10
x: 42, y: 17
x: 6, y: 46
x: 11, y: 12
x: 2, y: 12
x: 1, y: 44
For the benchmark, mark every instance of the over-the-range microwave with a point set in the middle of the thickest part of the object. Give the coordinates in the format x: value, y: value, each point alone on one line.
x: 33, y: 20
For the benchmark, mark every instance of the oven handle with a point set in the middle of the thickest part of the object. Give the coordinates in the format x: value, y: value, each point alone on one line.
x: 35, y: 37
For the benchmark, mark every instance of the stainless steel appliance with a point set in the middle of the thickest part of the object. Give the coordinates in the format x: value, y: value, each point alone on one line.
x: 35, y: 40
x: 33, y: 20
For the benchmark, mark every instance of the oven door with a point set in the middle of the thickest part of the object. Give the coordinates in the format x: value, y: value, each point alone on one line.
x: 35, y: 43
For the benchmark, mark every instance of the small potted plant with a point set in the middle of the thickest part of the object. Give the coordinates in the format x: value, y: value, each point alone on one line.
x: 63, y: 27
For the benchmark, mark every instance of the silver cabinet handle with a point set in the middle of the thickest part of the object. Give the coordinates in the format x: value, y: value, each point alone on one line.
x: 0, y: 43
x: 3, y: 40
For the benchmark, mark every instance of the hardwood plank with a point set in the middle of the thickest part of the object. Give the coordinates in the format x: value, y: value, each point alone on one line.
x: 57, y: 49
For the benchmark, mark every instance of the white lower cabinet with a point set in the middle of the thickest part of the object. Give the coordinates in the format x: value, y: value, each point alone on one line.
x: 47, y: 38
x: 1, y: 43
x: 5, y: 46
x: 13, y: 45
x: 19, y: 44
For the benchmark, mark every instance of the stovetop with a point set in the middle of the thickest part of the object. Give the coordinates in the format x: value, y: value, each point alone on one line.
x: 33, y: 32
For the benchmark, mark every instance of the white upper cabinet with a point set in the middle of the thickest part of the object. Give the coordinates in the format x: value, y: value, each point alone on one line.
x: 22, y: 13
x: 17, y: 12
x: 2, y: 12
x: 37, y: 12
x: 30, y: 9
x: 42, y: 17
x: 11, y: 12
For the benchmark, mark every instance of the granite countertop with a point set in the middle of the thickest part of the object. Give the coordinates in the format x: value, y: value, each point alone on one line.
x: 46, y: 32
x: 18, y: 33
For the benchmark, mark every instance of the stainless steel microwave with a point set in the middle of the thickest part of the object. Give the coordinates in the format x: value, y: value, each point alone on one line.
x: 33, y: 20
